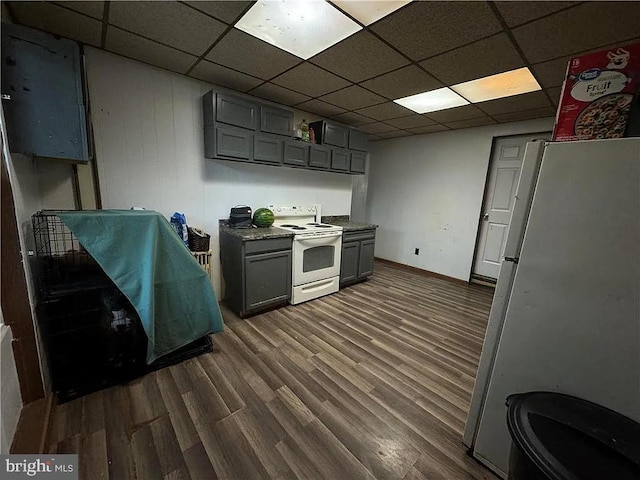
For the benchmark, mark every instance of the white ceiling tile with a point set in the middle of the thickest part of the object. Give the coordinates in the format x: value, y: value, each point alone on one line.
x: 406, y: 81
x: 472, y: 122
x: 258, y: 58
x: 485, y: 57
x: 148, y: 51
x: 226, y: 11
x: 58, y: 20
x: 93, y: 9
x: 310, y: 80
x: 352, y: 58
x: 424, y: 29
x: 219, y: 75
x: 526, y: 115
x: 527, y: 101
x: 577, y: 29
x: 519, y: 12
x: 171, y: 23
x: 279, y: 94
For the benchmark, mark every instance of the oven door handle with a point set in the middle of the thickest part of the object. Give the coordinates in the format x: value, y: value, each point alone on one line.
x: 317, y: 237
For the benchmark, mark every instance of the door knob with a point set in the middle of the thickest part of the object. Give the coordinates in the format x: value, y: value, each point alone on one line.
x: 485, y: 217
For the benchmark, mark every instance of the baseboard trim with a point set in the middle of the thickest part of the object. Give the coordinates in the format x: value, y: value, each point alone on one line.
x: 424, y: 273
x: 33, y: 427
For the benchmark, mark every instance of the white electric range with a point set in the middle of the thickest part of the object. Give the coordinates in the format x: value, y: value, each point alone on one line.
x: 317, y: 248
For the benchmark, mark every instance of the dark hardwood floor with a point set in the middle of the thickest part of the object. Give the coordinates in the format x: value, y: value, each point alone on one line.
x: 372, y: 382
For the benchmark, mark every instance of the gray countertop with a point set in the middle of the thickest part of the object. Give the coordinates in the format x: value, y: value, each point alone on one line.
x: 248, y: 234
x: 346, y: 224
x: 350, y: 226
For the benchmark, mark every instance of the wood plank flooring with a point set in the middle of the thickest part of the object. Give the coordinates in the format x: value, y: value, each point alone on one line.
x: 371, y: 382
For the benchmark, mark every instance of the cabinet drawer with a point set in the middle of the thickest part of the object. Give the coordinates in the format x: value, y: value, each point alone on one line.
x: 339, y: 160
x: 358, y: 162
x: 296, y: 153
x: 358, y: 140
x: 358, y: 235
x: 233, y: 143
x: 267, y: 149
x: 236, y: 111
x: 267, y: 245
x: 276, y: 120
x: 319, y: 156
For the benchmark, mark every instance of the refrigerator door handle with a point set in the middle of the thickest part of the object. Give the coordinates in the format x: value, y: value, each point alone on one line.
x: 511, y: 259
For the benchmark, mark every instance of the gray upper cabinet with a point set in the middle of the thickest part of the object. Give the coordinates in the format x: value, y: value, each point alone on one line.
x: 358, y: 140
x: 331, y: 134
x: 268, y: 149
x: 44, y: 110
x: 236, y: 111
x: 234, y: 143
x: 340, y: 160
x: 296, y: 153
x: 276, y: 120
x: 358, y: 162
x: 319, y: 156
x: 237, y: 127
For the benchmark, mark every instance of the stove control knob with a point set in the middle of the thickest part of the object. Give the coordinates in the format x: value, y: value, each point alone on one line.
x: 309, y: 209
x: 278, y: 209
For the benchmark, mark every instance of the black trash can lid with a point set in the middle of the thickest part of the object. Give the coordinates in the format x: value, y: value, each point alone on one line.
x: 571, y: 439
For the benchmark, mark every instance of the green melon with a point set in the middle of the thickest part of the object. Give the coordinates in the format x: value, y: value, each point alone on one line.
x: 263, y: 217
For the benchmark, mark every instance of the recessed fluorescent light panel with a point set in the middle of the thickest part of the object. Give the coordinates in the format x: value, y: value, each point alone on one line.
x: 368, y: 11
x: 501, y: 85
x: 303, y: 28
x: 432, y: 101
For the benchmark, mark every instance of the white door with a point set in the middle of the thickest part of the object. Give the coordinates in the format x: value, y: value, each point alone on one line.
x: 502, y: 183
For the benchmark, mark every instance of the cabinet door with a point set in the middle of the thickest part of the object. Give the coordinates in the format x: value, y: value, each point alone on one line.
x: 335, y: 135
x: 276, y: 120
x: 349, y: 262
x: 358, y: 162
x: 267, y: 149
x: 236, y: 111
x: 339, y: 160
x: 233, y: 143
x: 296, y: 153
x: 358, y: 140
x: 45, y: 114
x: 365, y: 263
x: 267, y: 279
x: 319, y: 156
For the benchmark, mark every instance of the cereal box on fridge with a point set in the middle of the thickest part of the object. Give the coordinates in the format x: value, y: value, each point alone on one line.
x: 597, y: 94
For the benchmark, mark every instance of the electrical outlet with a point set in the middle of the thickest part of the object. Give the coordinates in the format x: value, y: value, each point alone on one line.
x: 416, y: 251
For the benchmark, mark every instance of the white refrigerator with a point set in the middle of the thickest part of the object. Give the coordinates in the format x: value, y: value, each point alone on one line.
x: 566, y: 312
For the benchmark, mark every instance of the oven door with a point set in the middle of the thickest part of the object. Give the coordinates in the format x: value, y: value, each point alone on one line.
x: 316, y: 257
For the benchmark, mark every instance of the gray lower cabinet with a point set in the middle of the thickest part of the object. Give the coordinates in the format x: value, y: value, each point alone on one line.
x: 319, y: 156
x: 340, y: 160
x: 257, y: 273
x: 357, y: 259
x: 268, y: 149
x: 296, y: 153
x: 358, y: 162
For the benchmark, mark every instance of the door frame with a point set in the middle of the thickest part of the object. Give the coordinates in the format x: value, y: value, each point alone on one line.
x: 485, y: 192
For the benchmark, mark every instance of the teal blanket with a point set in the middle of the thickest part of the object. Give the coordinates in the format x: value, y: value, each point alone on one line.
x: 144, y: 257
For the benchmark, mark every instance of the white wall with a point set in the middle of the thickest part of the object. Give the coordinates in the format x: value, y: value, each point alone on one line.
x: 150, y: 152
x: 426, y: 192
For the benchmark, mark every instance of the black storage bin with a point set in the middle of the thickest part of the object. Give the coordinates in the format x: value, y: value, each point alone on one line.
x: 559, y: 437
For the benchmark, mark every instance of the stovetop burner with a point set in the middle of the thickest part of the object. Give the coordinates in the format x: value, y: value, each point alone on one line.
x: 288, y: 225
x: 320, y: 225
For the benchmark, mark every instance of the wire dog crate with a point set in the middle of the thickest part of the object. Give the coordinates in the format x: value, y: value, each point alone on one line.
x: 62, y: 263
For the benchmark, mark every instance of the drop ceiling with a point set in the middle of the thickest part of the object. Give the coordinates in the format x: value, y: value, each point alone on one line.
x: 421, y: 46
